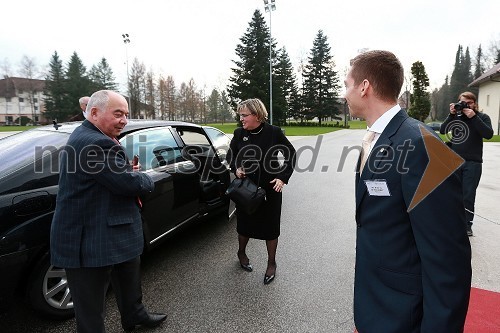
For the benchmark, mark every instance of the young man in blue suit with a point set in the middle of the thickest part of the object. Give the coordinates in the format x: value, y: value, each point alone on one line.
x: 413, y: 262
x: 96, y: 233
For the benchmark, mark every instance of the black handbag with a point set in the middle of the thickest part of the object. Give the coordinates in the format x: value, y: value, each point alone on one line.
x: 246, y: 194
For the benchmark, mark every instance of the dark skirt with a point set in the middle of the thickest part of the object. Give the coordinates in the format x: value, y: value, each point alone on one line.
x: 265, y: 222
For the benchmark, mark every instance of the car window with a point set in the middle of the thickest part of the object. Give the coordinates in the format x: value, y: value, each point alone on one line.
x: 192, y: 138
x: 156, y: 147
x: 30, y: 160
x: 219, y: 140
x: 19, y: 150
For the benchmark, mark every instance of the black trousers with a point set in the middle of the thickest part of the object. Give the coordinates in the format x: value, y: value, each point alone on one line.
x: 88, y: 286
x: 471, y: 174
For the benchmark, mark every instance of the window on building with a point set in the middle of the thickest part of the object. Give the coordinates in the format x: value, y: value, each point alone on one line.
x: 21, y: 99
x: 35, y: 100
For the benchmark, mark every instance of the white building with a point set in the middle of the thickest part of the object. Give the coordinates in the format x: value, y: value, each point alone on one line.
x: 21, y: 98
x: 489, y: 95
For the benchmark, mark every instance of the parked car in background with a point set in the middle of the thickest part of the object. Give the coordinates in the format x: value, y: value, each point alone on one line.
x: 189, y: 168
x: 435, y: 125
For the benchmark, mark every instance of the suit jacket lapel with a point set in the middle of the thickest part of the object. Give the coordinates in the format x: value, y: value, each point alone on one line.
x: 383, y: 142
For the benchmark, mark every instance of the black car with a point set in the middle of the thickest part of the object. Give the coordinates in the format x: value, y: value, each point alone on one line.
x: 187, y: 162
x: 435, y: 125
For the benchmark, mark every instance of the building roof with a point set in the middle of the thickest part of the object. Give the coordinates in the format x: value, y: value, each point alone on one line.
x: 487, y: 76
x: 9, y: 86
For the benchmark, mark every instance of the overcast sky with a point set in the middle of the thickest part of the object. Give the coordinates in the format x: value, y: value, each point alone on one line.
x: 197, y: 38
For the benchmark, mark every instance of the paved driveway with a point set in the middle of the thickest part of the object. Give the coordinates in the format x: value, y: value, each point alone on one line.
x: 196, y: 279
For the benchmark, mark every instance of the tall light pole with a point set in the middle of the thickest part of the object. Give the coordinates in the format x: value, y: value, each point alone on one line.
x: 270, y: 6
x: 126, y: 40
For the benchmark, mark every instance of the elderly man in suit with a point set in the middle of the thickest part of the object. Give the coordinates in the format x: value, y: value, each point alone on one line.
x: 96, y: 233
x: 413, y: 264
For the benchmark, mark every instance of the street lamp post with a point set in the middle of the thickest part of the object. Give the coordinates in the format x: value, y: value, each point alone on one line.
x: 270, y: 6
x: 126, y: 40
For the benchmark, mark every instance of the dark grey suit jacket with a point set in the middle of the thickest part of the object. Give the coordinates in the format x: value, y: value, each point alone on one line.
x: 97, y: 221
x: 413, y: 269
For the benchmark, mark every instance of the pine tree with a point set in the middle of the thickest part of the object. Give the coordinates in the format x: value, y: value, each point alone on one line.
x: 321, y: 82
x: 55, y: 90
x: 443, y: 100
x: 420, y: 105
x: 286, y: 88
x: 102, y: 77
x: 250, y: 78
x: 461, y: 76
x: 479, y: 68
x: 77, y: 85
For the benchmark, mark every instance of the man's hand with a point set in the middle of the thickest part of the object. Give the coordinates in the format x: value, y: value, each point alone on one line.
x: 240, y: 173
x: 469, y: 113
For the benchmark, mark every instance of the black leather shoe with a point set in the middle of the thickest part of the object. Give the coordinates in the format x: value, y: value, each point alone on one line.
x: 153, y: 320
x: 246, y: 266
x: 270, y: 273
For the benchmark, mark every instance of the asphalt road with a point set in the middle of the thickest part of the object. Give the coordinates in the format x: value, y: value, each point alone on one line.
x: 195, y: 277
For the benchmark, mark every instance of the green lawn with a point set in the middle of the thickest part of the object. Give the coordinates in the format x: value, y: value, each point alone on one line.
x: 14, y: 128
x: 495, y: 138
x: 289, y: 130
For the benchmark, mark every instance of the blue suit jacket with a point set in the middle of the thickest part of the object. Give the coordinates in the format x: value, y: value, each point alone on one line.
x: 413, y: 269
x: 97, y: 221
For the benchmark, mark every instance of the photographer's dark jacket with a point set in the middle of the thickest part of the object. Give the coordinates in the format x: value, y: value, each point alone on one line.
x: 468, y: 141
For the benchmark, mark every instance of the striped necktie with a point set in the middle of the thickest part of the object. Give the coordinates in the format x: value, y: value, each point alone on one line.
x: 365, y: 152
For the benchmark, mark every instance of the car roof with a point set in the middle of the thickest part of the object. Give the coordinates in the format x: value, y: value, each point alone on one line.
x: 132, y: 125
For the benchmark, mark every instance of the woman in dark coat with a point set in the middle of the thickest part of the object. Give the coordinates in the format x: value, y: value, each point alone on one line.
x: 254, y: 154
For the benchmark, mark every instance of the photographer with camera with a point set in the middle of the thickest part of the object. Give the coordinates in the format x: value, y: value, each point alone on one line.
x: 468, y: 127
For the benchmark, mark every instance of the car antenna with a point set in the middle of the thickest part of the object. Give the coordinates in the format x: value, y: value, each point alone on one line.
x: 56, y: 125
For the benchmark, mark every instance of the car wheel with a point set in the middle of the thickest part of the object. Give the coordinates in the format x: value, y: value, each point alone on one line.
x: 48, y: 291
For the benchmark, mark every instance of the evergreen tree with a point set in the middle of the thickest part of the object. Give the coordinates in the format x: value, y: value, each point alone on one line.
x: 420, y: 106
x: 213, y: 104
x: 461, y: 76
x: 479, y: 68
x: 286, y: 88
x: 250, y: 78
x: 55, y: 90
x: 225, y: 107
x: 443, y: 100
x: 77, y: 85
x: 321, y: 83
x: 102, y: 77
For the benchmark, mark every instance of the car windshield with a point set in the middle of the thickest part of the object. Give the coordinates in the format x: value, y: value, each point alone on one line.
x: 19, y: 150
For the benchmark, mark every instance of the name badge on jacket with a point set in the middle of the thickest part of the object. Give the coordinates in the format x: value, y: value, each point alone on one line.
x: 377, y: 188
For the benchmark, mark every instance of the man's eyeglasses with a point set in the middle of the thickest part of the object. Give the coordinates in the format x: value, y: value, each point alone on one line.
x: 244, y: 115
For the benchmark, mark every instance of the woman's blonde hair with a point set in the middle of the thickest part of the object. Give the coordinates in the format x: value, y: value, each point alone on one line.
x: 256, y: 107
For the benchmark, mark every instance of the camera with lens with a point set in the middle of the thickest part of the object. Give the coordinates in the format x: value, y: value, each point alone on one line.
x: 460, y: 106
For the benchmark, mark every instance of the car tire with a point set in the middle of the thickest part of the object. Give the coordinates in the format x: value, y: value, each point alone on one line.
x: 48, y: 291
